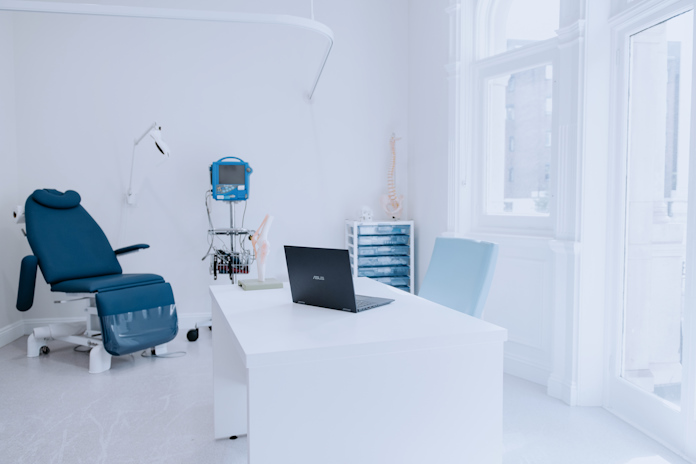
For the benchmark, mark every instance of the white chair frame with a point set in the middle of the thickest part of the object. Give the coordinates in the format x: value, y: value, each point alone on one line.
x: 86, y: 333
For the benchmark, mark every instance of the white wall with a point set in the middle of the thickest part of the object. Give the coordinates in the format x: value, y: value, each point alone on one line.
x: 10, y: 253
x: 428, y: 125
x: 86, y: 86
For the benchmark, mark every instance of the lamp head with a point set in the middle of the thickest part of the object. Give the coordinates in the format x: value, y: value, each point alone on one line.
x: 156, y: 134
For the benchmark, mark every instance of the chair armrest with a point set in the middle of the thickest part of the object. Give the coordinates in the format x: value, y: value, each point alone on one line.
x: 27, y: 282
x: 131, y: 249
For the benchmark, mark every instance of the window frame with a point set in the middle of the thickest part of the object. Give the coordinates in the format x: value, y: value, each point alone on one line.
x: 528, y: 57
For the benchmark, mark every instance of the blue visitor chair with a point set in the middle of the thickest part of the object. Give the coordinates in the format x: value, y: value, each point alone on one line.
x: 460, y: 273
x: 126, y: 313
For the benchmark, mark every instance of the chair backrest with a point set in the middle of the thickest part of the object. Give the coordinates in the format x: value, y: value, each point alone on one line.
x: 460, y: 274
x: 68, y: 243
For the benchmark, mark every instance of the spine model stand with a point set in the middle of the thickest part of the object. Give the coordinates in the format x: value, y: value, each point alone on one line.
x: 391, y: 202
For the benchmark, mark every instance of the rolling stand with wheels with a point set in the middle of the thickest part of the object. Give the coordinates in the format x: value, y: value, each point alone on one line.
x: 234, y: 261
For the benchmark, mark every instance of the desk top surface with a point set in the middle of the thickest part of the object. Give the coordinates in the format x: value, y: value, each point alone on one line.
x: 270, y: 329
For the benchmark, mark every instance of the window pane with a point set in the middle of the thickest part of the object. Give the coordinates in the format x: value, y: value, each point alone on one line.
x: 657, y: 188
x: 518, y: 144
x: 519, y: 22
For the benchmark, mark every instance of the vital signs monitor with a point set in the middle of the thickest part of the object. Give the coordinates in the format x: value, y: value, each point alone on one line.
x: 230, y: 179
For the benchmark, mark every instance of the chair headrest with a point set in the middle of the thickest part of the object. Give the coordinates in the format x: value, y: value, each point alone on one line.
x: 54, y: 199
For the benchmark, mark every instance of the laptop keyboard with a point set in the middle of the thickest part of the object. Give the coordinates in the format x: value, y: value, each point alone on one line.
x: 363, y: 305
x: 365, y: 302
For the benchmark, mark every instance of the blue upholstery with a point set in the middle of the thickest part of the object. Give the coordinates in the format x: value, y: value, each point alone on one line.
x: 129, y: 249
x: 136, y: 311
x: 460, y: 273
x: 57, y: 200
x: 27, y: 282
x: 105, y: 283
x: 137, y: 318
x: 134, y: 299
x: 67, y: 241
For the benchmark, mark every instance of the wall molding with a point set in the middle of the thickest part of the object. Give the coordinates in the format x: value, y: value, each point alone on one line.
x: 526, y: 369
x: 564, y: 391
x: 640, y: 12
x: 11, y: 332
x: 571, y: 35
x: 529, y: 52
x: 180, y: 14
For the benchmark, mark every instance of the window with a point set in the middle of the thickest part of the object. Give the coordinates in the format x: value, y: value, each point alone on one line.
x: 518, y: 159
x: 517, y: 23
x: 513, y: 123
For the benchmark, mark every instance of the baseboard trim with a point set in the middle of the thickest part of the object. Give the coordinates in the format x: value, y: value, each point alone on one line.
x: 557, y: 388
x: 11, y: 332
x: 525, y: 369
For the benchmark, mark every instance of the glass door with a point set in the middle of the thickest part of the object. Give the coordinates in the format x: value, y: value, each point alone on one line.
x: 649, y: 375
x: 656, y: 209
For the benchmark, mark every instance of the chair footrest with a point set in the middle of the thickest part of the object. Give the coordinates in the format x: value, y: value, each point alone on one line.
x: 137, y: 318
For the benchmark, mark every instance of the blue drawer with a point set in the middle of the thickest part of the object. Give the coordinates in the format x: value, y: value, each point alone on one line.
x: 383, y: 271
x: 384, y: 261
x: 387, y: 229
x: 383, y: 240
x: 395, y: 250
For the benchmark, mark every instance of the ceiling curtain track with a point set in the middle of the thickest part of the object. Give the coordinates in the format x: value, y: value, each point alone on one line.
x: 191, y: 15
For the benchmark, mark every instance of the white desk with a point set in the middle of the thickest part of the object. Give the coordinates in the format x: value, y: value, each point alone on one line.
x: 409, y: 382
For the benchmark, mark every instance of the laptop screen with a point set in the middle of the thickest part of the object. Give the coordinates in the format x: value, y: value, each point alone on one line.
x: 320, y: 277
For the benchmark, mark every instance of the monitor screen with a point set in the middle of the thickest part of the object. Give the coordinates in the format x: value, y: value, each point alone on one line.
x: 231, y: 174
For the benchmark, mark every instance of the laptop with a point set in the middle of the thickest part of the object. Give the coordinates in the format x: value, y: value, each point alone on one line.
x: 322, y: 277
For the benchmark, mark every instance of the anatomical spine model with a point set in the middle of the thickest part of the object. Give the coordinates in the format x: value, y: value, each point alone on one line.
x: 262, y: 246
x: 391, y: 202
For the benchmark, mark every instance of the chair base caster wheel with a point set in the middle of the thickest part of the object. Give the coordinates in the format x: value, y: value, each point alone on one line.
x: 192, y: 335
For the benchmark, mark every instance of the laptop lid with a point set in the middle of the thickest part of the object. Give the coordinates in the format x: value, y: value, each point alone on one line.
x: 320, y: 277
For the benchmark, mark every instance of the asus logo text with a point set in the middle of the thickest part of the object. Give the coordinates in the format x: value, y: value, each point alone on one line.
x: 318, y: 277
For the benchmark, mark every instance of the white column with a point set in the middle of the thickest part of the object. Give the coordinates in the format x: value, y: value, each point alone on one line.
x: 568, y: 179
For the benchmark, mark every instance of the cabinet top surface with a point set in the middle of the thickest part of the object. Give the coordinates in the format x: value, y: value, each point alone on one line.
x: 380, y: 223
x: 268, y: 328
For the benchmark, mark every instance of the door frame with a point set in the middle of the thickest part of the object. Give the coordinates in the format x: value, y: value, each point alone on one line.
x: 656, y: 417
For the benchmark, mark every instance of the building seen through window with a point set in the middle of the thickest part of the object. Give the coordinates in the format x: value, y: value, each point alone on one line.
x: 527, y: 125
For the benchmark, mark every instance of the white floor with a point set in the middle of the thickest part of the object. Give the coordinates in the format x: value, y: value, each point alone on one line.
x: 149, y: 410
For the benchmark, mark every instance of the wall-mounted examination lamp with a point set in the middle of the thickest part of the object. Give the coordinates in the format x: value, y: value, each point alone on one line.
x: 155, y: 132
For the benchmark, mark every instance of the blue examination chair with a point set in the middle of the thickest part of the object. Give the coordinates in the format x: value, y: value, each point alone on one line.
x: 126, y: 312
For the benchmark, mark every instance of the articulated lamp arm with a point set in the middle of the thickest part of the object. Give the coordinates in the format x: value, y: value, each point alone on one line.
x: 154, y: 131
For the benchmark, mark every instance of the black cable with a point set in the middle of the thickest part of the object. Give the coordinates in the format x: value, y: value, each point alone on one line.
x: 151, y: 354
